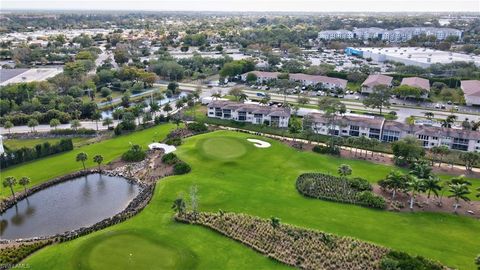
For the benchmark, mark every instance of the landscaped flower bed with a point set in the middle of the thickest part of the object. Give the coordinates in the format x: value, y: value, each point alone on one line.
x: 302, y: 248
x: 333, y: 188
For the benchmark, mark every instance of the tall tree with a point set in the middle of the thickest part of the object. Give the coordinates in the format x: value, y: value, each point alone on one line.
x: 24, y: 181
x: 332, y: 108
x: 9, y: 182
x: 415, y: 186
x: 459, y: 192
x: 54, y: 123
x: 98, y: 159
x: 379, y: 98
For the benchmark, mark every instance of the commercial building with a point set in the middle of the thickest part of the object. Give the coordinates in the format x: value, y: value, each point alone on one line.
x: 250, y: 113
x: 376, y: 80
x: 415, y: 56
x: 391, y: 131
x: 8, y: 76
x: 396, y: 35
x: 471, y: 91
x: 305, y: 79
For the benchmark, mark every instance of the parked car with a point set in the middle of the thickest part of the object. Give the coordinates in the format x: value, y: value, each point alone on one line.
x: 260, y: 95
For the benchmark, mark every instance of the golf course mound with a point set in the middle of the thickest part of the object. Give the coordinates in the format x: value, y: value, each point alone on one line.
x: 223, y: 148
x: 132, y: 250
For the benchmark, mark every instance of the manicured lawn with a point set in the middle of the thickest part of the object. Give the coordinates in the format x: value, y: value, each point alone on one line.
x: 29, y: 143
x: 44, y: 169
x: 261, y: 183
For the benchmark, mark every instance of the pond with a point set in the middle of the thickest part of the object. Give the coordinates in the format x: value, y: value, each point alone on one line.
x: 70, y: 205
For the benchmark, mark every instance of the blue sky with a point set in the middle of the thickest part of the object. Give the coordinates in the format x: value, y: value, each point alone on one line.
x: 249, y: 5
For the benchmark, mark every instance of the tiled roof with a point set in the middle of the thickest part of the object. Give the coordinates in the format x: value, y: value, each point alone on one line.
x: 416, y: 82
x: 252, y: 108
x: 364, y: 122
x: 377, y: 79
x: 471, y: 88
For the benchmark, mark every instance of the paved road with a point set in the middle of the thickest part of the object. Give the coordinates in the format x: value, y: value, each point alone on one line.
x: 402, y: 112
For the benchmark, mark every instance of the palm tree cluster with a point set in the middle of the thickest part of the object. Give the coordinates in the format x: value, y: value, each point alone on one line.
x: 421, y: 180
x: 10, y: 182
x: 83, y: 157
x: 360, y: 144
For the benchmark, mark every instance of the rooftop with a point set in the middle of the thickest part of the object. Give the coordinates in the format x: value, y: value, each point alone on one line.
x: 416, y: 82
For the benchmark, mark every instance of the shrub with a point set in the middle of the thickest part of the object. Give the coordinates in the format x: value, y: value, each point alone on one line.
x: 321, y: 149
x: 369, y: 199
x: 176, y: 141
x: 80, y: 131
x: 332, y: 188
x: 181, y: 168
x: 197, y: 127
x: 406, y: 262
x: 360, y: 184
x: 169, y: 158
x: 134, y: 154
x: 13, y: 255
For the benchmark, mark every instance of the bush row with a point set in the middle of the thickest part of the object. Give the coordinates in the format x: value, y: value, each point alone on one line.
x: 9, y: 256
x: 24, y: 154
x: 333, y: 188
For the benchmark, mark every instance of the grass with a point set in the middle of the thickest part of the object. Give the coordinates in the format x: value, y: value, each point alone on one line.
x: 261, y: 183
x: 30, y: 143
x: 44, y: 169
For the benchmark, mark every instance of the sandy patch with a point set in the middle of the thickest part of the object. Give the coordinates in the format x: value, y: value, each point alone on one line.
x: 259, y: 143
x: 167, y: 148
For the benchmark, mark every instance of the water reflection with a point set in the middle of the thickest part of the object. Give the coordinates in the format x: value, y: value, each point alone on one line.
x: 67, y: 206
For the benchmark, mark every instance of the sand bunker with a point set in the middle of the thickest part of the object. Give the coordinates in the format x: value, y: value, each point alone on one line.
x: 259, y: 143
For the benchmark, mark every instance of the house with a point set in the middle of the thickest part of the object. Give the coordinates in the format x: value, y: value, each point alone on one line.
x: 417, y: 82
x: 471, y: 91
x: 374, y: 80
x: 250, y: 113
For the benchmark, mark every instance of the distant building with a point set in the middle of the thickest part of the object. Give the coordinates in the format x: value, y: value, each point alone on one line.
x: 2, y: 150
x: 396, y: 35
x: 414, y: 56
x: 250, y: 113
x: 305, y: 79
x: 9, y: 76
x: 375, y: 80
x: 471, y: 91
x: 335, y: 34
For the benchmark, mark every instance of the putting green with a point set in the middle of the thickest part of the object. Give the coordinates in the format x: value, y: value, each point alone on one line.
x: 131, y: 250
x: 223, y: 148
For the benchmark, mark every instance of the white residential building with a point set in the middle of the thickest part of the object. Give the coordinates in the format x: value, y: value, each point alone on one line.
x: 250, y: 113
x: 335, y: 34
x: 305, y: 79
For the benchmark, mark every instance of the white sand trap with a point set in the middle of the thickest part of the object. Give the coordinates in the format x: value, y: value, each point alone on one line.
x: 259, y: 143
x: 167, y: 148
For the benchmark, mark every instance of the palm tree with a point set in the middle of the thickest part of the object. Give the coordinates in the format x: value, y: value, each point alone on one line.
x: 98, y: 159
x: 415, y: 186
x: 179, y: 206
x: 177, y: 121
x: 167, y: 108
x: 243, y: 97
x: 421, y: 169
x: 275, y: 222
x: 129, y: 169
x: 396, y: 181
x: 459, y: 192
x: 344, y: 170
x: 432, y: 185
x: 82, y: 157
x: 24, y: 181
x: 10, y: 181
x: 216, y: 95
x: 107, y: 122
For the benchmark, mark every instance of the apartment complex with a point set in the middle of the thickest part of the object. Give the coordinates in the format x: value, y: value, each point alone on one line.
x: 391, y: 131
x: 471, y: 91
x: 348, y: 125
x: 396, y: 35
x: 250, y: 113
x: 305, y: 79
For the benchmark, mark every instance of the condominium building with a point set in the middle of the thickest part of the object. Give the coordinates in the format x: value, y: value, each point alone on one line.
x: 250, y: 113
x: 419, y: 83
x: 391, y: 131
x: 305, y: 79
x: 335, y: 34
